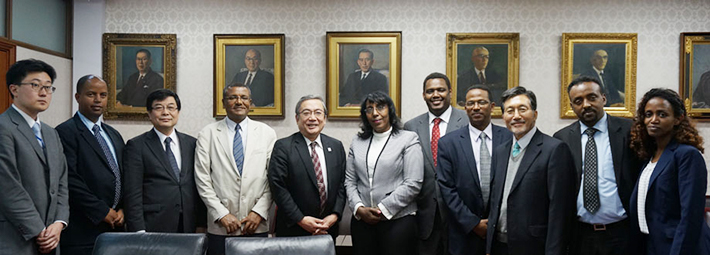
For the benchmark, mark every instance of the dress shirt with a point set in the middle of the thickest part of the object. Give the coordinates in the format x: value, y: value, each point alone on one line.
x: 476, y: 144
x: 242, y: 131
x: 321, y: 159
x: 250, y: 75
x: 442, y: 125
x: 478, y: 73
x: 642, y: 192
x: 90, y: 125
x: 174, y: 145
x: 365, y: 74
x: 610, y: 209
x: 599, y: 73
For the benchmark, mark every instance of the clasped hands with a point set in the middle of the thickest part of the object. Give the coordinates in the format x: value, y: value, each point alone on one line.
x: 114, y: 218
x: 370, y: 215
x: 317, y: 226
x: 247, y: 225
x: 48, y: 239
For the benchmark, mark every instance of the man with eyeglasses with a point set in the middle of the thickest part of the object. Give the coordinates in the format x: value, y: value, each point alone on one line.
x: 259, y: 81
x: 34, y: 206
x: 307, y: 175
x: 480, y: 74
x: 465, y: 172
x: 159, y: 184
x: 231, y: 162
x: 93, y: 150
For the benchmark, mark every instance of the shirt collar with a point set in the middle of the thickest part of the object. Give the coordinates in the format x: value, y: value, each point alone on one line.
x: 88, y: 123
x: 478, y: 72
x: 597, y: 70
x: 31, y: 122
x: 308, y: 141
x: 162, y: 136
x: 602, y: 125
x: 444, y: 116
x: 242, y: 125
x: 525, y: 140
x: 475, y: 133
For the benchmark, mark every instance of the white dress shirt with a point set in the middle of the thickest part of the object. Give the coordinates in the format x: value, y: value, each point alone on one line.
x: 476, y: 144
x: 242, y: 131
x: 442, y: 125
x: 174, y: 145
x: 321, y: 159
x: 642, y: 192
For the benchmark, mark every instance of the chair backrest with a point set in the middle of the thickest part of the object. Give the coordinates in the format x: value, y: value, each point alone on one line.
x: 301, y: 245
x: 150, y: 243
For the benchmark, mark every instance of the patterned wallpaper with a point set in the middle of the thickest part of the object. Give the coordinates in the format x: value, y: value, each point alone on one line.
x: 424, y: 25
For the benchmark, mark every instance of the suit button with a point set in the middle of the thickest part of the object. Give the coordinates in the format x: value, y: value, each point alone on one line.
x: 51, y: 192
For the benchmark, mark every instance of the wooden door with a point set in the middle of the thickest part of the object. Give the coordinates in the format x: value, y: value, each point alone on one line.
x: 7, y: 58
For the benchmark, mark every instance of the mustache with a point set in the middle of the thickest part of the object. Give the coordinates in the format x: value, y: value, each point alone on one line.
x: 517, y: 122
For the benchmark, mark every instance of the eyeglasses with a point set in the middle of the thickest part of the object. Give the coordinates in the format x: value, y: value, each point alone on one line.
x: 480, y: 103
x: 483, y: 56
x: 160, y: 108
x: 234, y: 98
x: 36, y: 87
x: 379, y: 107
x: 308, y: 113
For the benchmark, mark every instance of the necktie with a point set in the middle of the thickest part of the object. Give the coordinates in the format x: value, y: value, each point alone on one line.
x: 38, y: 134
x: 363, y: 76
x: 238, y: 150
x: 516, y: 149
x: 591, y: 193
x: 485, y: 162
x: 140, y: 79
x: 111, y: 163
x: 482, y: 78
x: 319, y: 176
x: 249, y: 79
x: 171, y: 158
x: 435, y: 139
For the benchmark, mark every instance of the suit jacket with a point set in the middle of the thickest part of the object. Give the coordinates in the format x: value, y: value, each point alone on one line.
x: 674, y: 203
x: 262, y: 86
x: 429, y: 199
x: 496, y: 82
x: 135, y: 93
x: 355, y: 90
x: 154, y: 198
x: 294, y: 187
x: 626, y: 164
x: 219, y: 183
x: 610, y: 87
x: 461, y: 189
x: 91, y: 180
x: 541, y: 203
x: 33, y: 187
x: 397, y: 179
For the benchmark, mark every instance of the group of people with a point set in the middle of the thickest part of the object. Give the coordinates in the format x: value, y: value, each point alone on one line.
x: 446, y: 182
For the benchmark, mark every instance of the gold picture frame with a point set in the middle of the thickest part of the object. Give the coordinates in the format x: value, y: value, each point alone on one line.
x: 344, y: 82
x: 133, y: 66
x: 609, y: 57
x: 695, y: 74
x: 500, y: 68
x: 259, y: 54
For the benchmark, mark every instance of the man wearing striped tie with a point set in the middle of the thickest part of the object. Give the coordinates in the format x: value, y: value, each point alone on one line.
x: 307, y: 175
x: 93, y: 150
x: 230, y: 170
x: 464, y: 168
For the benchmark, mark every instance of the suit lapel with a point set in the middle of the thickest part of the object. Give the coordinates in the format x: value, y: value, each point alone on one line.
x: 155, y: 146
x: 330, y: 162
x: 663, y: 162
x: 223, y: 135
x: 467, y: 147
x: 186, y: 158
x: 423, y: 132
x: 26, y: 131
x: 91, y: 140
x: 117, y: 142
x: 253, y: 137
x: 302, y: 150
x: 531, y: 152
x: 575, y: 145
x: 617, y: 140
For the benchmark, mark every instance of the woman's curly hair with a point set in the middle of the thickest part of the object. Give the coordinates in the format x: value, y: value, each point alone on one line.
x: 685, y: 132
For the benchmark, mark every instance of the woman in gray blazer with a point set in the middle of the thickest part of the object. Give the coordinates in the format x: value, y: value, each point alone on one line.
x: 382, y: 180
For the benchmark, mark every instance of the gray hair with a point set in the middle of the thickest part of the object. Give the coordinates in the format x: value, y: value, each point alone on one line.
x: 234, y: 85
x: 309, y: 97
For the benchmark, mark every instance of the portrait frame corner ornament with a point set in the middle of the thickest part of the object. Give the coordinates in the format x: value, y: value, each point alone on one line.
x: 695, y: 74
x: 342, y: 64
x: 586, y: 45
x: 116, y: 47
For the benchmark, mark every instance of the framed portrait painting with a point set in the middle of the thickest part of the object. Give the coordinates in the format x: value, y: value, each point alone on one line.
x: 695, y: 74
x: 489, y: 59
x: 133, y: 66
x: 607, y: 57
x: 254, y: 60
x: 359, y: 63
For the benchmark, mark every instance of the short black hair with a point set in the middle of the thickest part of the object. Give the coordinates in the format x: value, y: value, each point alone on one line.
x: 516, y: 91
x: 482, y: 87
x: 372, y: 55
x: 22, y: 68
x: 147, y: 53
x: 436, y: 75
x: 160, y: 95
x: 378, y: 98
x: 582, y: 79
x: 84, y: 80
x: 234, y: 85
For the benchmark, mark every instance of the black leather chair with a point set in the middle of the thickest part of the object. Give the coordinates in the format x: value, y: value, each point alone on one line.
x: 150, y: 243
x: 301, y: 245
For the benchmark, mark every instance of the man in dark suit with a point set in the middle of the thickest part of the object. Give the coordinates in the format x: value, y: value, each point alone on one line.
x: 94, y: 169
x: 306, y: 175
x: 141, y: 83
x: 363, y: 81
x: 260, y: 82
x: 34, y: 206
x: 159, y: 190
x: 465, y: 173
x: 603, y: 199
x: 481, y: 74
x: 442, y: 118
x: 532, y: 199
x: 598, y: 60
